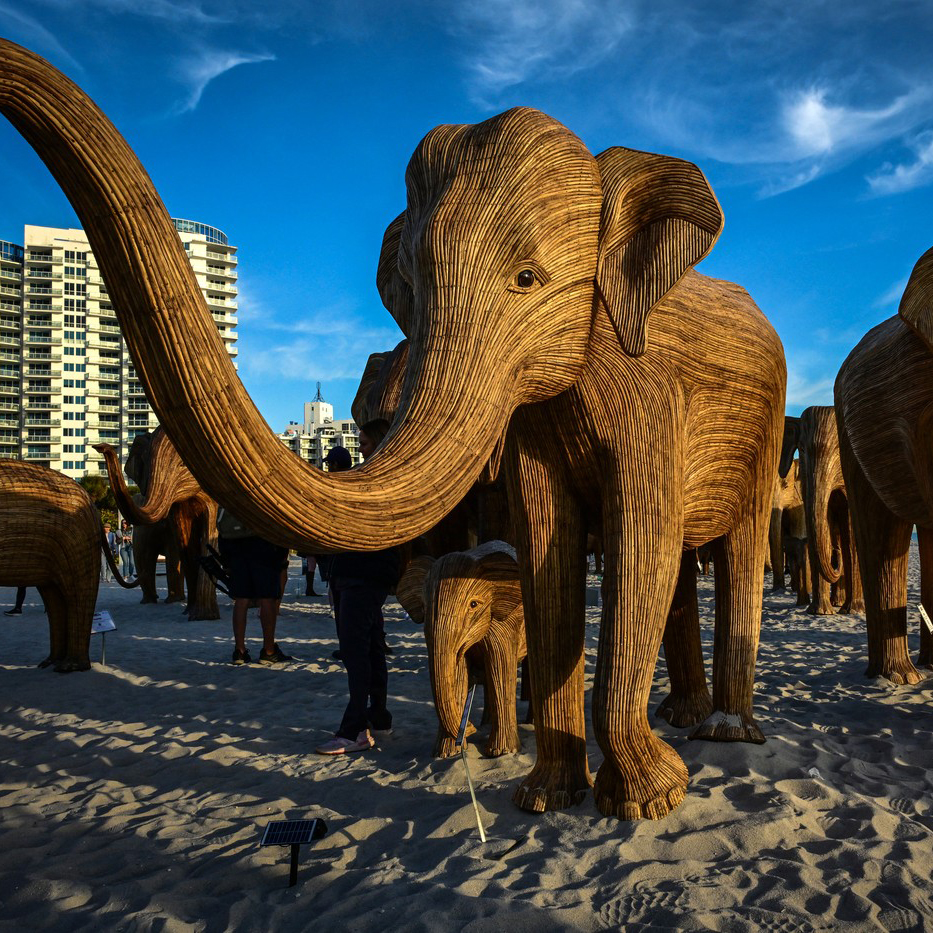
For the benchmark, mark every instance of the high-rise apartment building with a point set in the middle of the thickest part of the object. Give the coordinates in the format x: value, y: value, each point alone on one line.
x: 66, y: 378
x: 313, y: 439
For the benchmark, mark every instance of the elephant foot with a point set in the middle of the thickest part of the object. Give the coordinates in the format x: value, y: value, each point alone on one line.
x: 445, y: 746
x: 849, y: 607
x: 648, y: 793
x: 822, y: 607
x: 899, y: 672
x: 68, y: 665
x: 499, y: 745
x: 685, y: 709
x: 202, y: 615
x: 729, y: 727
x: 554, y: 786
x: 174, y: 599
x: 803, y: 599
x: 148, y: 599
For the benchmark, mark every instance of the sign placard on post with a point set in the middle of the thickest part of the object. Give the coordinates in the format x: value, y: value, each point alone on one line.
x: 100, y: 625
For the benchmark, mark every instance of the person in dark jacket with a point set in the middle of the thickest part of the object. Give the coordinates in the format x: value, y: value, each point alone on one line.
x: 360, y: 581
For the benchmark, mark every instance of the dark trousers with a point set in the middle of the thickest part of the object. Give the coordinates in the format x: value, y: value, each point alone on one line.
x: 358, y: 610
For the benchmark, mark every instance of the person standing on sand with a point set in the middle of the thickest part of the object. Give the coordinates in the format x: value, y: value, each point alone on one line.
x: 255, y: 569
x: 114, y: 544
x: 360, y: 582
x: 126, y: 550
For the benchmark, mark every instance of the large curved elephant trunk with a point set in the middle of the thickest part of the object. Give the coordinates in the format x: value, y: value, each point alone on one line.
x: 415, y: 479
x: 449, y: 681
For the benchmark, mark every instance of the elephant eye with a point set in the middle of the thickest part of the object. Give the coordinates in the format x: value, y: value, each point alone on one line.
x: 473, y: 603
x: 525, y: 278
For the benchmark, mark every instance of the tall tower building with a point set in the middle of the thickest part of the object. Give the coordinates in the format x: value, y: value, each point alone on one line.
x: 66, y: 379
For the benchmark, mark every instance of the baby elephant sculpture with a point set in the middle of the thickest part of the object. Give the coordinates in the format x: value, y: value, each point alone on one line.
x: 473, y: 606
x: 51, y: 538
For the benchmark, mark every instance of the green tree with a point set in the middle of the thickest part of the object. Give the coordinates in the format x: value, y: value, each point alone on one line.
x: 98, y: 488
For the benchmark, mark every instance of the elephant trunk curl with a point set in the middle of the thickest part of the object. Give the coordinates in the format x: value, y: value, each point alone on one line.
x: 157, y: 502
x: 449, y: 685
x: 415, y: 479
x: 818, y: 493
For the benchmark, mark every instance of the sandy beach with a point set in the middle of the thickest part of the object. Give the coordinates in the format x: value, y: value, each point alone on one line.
x: 134, y: 795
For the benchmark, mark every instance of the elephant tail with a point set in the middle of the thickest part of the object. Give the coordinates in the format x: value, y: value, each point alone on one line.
x: 105, y: 547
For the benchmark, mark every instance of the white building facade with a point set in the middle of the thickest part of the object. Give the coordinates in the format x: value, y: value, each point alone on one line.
x: 66, y: 379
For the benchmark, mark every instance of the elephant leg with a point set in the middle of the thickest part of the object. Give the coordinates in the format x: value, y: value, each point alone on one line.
x: 855, y: 600
x: 882, y: 545
x: 820, y: 603
x: 925, y: 537
x: 551, y: 544
x: 738, y: 625
x: 776, y: 550
x: 641, y: 776
x: 57, y: 611
x: 689, y: 702
x: 803, y: 562
x: 526, y: 693
x: 501, y: 682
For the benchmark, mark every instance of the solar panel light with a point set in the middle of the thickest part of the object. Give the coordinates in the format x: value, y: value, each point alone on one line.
x: 293, y: 833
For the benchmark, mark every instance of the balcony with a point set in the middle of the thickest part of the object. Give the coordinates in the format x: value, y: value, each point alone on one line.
x: 32, y: 404
x: 222, y: 257
x: 45, y: 357
x: 220, y: 287
x: 11, y: 275
x: 43, y: 305
x: 52, y: 340
x: 136, y: 390
x: 9, y: 390
x: 43, y: 457
x: 109, y: 329
x: 10, y: 290
x: 7, y: 322
x: 103, y: 391
x: 44, y: 274
x: 34, y: 422
x: 7, y: 422
x: 9, y: 406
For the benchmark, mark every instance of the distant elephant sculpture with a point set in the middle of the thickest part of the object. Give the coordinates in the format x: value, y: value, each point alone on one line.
x: 171, y: 500
x: 827, y: 514
x: 787, y: 535
x: 149, y: 541
x: 554, y: 318
x: 473, y: 606
x: 51, y: 538
x: 884, y: 412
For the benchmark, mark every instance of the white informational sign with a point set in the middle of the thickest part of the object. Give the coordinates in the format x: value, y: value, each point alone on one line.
x: 102, y: 623
x: 925, y: 617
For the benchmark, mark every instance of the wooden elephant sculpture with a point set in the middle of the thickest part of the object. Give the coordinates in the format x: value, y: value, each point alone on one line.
x: 473, y: 606
x: 556, y: 326
x: 830, y: 541
x: 884, y: 411
x: 51, y: 538
x: 787, y: 535
x: 182, y: 516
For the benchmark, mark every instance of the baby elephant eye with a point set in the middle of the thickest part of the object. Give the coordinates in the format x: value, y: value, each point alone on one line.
x: 473, y: 603
x: 525, y: 278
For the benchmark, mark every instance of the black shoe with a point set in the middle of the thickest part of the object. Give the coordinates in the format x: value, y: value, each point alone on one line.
x: 13, y: 612
x: 277, y: 656
x: 241, y: 657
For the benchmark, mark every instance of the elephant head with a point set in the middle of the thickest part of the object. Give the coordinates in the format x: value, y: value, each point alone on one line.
x: 789, y: 444
x: 512, y: 236
x: 158, y: 469
x: 466, y: 596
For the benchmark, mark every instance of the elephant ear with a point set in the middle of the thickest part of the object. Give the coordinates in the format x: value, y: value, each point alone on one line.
x: 789, y: 444
x: 395, y: 292
x: 380, y: 388
x: 659, y: 218
x: 916, y: 307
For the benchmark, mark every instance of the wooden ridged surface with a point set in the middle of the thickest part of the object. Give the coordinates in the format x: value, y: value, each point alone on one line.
x: 50, y: 538
x: 827, y: 513
x: 884, y: 412
x: 172, y: 495
x: 658, y: 420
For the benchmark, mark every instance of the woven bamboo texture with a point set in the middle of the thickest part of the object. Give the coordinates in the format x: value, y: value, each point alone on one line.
x: 538, y: 287
x: 830, y: 540
x: 884, y: 410
x: 473, y: 599
x: 51, y: 538
x: 170, y: 495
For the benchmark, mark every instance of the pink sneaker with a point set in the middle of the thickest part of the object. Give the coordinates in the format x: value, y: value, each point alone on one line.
x: 341, y: 746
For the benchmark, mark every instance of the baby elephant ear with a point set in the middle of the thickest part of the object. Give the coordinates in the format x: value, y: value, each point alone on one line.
x: 659, y: 218
x: 916, y: 307
x: 395, y: 292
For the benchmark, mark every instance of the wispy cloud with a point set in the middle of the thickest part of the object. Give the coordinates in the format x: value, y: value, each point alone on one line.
x: 895, y: 179
x: 892, y: 297
x: 200, y: 69
x: 804, y: 390
x: 513, y: 41
x: 176, y: 11
x: 17, y: 25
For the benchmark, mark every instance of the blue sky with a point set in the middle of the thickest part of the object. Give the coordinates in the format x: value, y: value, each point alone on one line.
x: 289, y: 126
